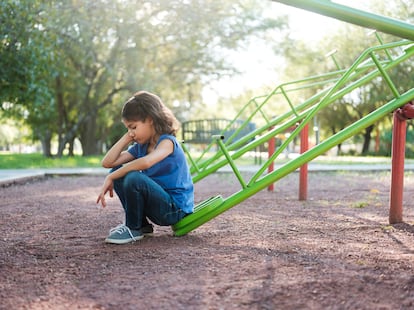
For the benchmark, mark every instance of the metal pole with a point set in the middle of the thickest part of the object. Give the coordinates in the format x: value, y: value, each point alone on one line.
x: 355, y: 16
x: 397, y: 173
x: 303, y: 172
x: 271, y: 150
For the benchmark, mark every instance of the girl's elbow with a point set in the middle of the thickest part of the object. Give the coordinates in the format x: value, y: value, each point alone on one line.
x: 145, y: 164
x: 106, y: 164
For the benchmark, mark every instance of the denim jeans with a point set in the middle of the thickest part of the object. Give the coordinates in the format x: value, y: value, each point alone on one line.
x: 143, y: 198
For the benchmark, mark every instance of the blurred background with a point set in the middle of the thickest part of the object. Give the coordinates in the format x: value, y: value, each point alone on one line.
x: 67, y: 67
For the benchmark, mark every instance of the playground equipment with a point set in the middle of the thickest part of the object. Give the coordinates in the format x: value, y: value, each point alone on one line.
x: 201, y: 131
x: 374, y: 63
x: 354, y: 16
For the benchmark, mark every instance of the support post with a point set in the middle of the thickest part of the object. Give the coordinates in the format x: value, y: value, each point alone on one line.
x: 303, y: 172
x: 271, y: 150
x: 397, y: 173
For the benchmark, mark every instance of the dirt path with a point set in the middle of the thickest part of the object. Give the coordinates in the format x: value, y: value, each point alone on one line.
x: 333, y: 251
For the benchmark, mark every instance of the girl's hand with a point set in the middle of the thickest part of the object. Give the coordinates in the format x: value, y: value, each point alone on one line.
x: 108, y: 186
x: 127, y: 138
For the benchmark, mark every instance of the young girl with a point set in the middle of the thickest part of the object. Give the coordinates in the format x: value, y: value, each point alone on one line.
x: 151, y: 177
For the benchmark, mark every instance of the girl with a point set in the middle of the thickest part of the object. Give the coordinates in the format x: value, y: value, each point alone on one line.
x: 151, y: 177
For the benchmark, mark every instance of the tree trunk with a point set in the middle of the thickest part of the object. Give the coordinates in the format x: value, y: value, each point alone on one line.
x: 61, y: 115
x: 367, y: 139
x: 339, y: 149
x: 46, y: 141
x: 72, y: 147
x: 89, y: 142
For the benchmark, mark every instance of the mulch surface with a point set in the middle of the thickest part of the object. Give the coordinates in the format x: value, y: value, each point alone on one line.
x: 336, y: 250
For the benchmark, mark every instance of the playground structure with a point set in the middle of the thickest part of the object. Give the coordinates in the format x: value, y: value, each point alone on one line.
x: 201, y: 131
x: 373, y: 64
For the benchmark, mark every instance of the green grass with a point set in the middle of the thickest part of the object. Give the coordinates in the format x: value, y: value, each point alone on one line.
x: 37, y: 160
x: 30, y: 161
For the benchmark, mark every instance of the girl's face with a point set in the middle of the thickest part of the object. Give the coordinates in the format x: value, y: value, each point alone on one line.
x: 140, y: 131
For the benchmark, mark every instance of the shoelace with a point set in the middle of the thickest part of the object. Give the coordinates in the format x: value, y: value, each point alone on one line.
x: 121, y: 228
x: 114, y: 229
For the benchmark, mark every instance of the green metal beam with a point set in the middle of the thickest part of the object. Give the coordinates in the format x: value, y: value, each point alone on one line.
x: 286, y: 120
x: 354, y: 16
x: 217, y: 205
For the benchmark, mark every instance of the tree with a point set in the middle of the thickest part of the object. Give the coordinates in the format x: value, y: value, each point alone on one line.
x: 25, y: 66
x: 99, y: 52
x: 350, y: 41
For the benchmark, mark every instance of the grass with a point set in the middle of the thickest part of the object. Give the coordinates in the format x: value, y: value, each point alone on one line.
x: 36, y: 160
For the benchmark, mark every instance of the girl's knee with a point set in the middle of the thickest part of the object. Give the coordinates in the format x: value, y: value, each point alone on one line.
x: 133, y: 179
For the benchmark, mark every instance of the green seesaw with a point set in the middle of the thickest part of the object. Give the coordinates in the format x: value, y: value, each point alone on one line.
x: 373, y: 63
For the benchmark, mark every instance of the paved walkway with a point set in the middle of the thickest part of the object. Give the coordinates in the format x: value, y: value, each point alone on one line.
x: 11, y: 176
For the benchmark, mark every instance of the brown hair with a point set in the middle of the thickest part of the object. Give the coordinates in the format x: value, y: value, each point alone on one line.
x: 145, y: 105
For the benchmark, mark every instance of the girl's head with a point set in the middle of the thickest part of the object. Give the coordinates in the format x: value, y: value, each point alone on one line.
x: 145, y: 106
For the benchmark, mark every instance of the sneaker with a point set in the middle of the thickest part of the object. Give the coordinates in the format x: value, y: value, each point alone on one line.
x: 122, y: 234
x: 147, y: 230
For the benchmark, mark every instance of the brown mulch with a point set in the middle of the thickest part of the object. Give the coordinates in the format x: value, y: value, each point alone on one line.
x: 334, y: 251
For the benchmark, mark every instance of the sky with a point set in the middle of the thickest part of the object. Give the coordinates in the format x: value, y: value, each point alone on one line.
x: 258, y: 61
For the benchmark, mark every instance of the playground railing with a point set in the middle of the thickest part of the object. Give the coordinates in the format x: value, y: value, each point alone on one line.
x: 373, y: 63
x: 367, y: 67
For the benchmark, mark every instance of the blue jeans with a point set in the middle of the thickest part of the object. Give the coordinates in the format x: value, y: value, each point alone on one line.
x: 143, y: 198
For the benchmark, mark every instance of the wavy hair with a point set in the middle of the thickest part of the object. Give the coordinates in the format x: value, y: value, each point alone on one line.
x: 145, y: 105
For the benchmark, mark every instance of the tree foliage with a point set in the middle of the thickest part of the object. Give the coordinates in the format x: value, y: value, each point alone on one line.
x: 67, y: 66
x: 350, y: 41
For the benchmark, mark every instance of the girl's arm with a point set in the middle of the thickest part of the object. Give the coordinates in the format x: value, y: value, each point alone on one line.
x: 163, y: 149
x: 116, y: 156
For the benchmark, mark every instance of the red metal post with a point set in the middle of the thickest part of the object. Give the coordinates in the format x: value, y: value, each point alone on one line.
x: 397, y: 173
x: 271, y: 150
x: 303, y: 173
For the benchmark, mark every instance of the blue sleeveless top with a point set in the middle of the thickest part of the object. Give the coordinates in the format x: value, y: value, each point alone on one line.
x: 171, y: 173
